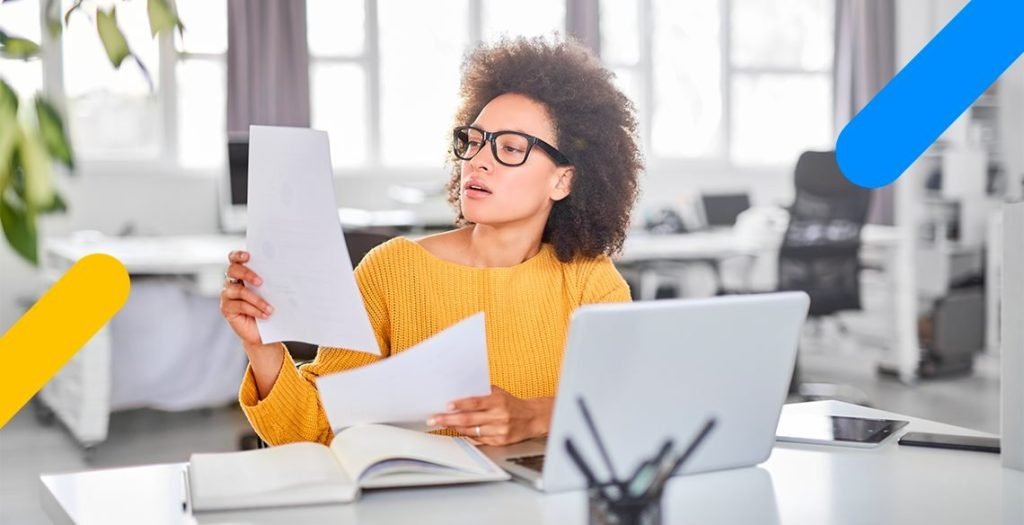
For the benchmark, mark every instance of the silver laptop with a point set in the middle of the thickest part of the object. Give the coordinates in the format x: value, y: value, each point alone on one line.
x: 658, y: 369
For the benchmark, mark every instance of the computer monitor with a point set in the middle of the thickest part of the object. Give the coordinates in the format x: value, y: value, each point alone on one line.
x: 234, y: 190
x: 721, y: 210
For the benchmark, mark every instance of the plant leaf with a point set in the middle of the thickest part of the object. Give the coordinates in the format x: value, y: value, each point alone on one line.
x: 145, y: 73
x: 72, y: 9
x: 8, y: 98
x: 57, y: 206
x: 19, y: 228
x: 53, y: 18
x: 36, y: 172
x: 17, y: 181
x: 51, y: 129
x: 10, y: 132
x: 19, y: 48
x: 161, y: 16
x: 113, y: 39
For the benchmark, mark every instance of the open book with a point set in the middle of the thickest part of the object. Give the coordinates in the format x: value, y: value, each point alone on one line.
x: 366, y: 456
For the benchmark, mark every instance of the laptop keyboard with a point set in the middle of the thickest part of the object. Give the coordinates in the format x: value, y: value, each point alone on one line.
x: 531, y: 462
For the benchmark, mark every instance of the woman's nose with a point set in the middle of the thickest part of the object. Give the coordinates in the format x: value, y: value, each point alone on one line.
x: 483, y: 160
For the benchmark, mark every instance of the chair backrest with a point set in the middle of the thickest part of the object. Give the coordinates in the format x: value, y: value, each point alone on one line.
x: 361, y: 241
x: 959, y: 324
x: 820, y: 250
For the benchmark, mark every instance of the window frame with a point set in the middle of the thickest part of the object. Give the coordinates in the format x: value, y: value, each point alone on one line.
x: 369, y: 61
x: 643, y: 70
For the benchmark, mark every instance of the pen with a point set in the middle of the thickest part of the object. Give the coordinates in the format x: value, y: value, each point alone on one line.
x: 663, y: 475
x: 597, y: 439
x: 186, y: 498
x: 574, y: 454
x: 641, y: 479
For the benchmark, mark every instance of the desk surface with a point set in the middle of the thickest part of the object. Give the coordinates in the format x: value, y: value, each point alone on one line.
x: 191, y: 254
x: 725, y: 243
x: 799, y: 484
x: 171, y: 255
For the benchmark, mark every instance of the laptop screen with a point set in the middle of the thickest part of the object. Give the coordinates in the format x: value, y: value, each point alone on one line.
x: 722, y: 209
x: 238, y: 171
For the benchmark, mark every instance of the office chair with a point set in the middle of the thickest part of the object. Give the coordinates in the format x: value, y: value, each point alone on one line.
x: 820, y: 249
x: 359, y: 243
x: 953, y: 332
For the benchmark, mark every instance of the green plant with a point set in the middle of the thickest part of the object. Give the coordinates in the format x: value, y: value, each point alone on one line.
x: 33, y: 140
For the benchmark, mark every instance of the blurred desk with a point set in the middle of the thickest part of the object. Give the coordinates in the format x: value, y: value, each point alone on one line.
x: 651, y: 254
x: 646, y: 251
x: 697, y: 246
x: 799, y: 484
x: 169, y: 347
x: 718, y: 244
x: 199, y: 257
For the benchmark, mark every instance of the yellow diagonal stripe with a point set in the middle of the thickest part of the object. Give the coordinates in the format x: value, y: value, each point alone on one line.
x: 84, y: 299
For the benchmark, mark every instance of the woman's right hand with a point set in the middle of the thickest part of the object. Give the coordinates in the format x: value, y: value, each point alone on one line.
x: 240, y: 305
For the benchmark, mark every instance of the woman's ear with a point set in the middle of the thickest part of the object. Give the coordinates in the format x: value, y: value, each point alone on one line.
x: 564, y: 185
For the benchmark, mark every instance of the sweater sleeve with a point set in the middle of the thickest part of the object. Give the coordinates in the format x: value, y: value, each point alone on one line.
x: 604, y: 284
x: 292, y: 410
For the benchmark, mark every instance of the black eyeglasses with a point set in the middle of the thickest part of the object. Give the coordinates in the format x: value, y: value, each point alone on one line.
x: 510, y: 148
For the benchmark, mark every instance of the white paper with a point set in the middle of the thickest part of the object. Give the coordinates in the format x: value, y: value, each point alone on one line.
x: 296, y: 244
x: 413, y: 385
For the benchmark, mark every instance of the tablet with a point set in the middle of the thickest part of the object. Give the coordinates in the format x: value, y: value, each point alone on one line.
x: 836, y: 430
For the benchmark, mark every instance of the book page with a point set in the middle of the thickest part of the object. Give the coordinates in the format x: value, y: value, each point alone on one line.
x: 296, y: 244
x: 284, y: 475
x: 391, y: 450
x: 413, y: 385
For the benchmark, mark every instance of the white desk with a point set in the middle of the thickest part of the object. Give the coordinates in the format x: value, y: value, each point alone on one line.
x: 644, y: 250
x: 799, y: 484
x: 721, y: 244
x: 202, y: 257
x: 81, y: 393
x: 879, y: 247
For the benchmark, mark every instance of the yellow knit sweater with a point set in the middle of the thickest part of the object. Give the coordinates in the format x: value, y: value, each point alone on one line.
x: 410, y: 295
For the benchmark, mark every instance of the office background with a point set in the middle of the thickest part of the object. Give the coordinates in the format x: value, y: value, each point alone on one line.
x: 729, y: 94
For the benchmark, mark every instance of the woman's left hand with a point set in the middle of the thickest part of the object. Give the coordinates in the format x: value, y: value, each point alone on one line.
x: 498, y: 419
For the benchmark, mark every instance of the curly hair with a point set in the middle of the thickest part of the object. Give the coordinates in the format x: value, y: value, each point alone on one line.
x: 595, y: 126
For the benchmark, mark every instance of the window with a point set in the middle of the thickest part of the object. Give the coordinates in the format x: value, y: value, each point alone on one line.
x: 521, y: 18
x: 741, y: 82
x: 744, y: 82
x: 113, y: 114
x: 339, y: 104
x: 419, y: 85
x: 201, y: 83
x: 176, y: 117
x: 385, y: 103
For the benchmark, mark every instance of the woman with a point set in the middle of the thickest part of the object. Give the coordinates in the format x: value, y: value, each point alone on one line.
x: 543, y: 180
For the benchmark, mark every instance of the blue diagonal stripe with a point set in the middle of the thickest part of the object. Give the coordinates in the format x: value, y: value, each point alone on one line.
x: 927, y: 95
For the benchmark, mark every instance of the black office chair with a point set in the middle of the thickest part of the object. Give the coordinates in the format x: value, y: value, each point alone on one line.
x: 359, y: 243
x: 820, y: 250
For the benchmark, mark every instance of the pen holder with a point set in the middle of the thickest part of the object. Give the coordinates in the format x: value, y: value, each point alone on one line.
x: 622, y: 511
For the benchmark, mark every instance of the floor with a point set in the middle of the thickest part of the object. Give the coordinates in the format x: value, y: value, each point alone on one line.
x: 29, y: 448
